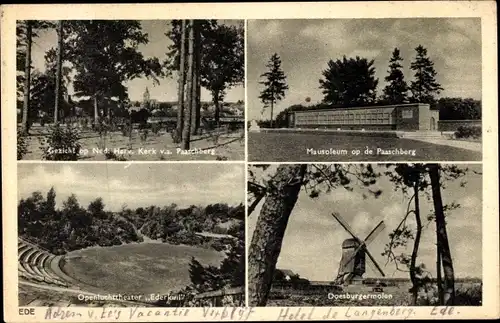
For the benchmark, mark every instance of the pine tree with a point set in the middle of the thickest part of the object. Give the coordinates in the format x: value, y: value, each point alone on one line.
x: 425, y: 86
x: 186, y: 131
x: 27, y: 77
x: 270, y: 230
x: 58, y: 91
x: 397, y: 90
x: 182, y: 81
x: 275, y: 84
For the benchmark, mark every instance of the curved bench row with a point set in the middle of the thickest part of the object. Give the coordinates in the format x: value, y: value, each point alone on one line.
x: 35, y: 265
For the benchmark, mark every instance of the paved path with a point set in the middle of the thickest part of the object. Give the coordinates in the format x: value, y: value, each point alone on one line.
x: 469, y: 145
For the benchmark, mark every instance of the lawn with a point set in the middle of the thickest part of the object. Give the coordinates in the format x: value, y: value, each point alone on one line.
x: 229, y: 146
x: 293, y: 147
x: 137, y: 268
x: 466, y: 294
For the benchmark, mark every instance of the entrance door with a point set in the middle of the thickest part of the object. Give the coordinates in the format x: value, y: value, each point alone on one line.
x: 433, y: 124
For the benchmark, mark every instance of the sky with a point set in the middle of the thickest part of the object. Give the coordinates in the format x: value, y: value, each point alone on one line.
x: 313, y: 238
x: 136, y: 184
x: 156, y: 47
x: 305, y: 47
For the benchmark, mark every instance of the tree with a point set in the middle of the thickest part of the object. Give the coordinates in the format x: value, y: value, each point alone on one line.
x: 57, y: 93
x: 105, y: 55
x: 50, y: 204
x: 270, y: 230
x: 442, y: 237
x: 96, y: 208
x: 274, y: 84
x: 425, y: 178
x: 195, y: 89
x: 43, y: 87
x: 182, y: 75
x: 397, y: 90
x: 25, y: 32
x: 27, y: 78
x: 410, y: 179
x: 219, y: 59
x: 349, y: 82
x: 425, y: 86
x: 189, y: 89
x: 222, y: 62
x: 459, y: 109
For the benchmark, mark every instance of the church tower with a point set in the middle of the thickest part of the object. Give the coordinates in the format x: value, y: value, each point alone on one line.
x: 146, y: 99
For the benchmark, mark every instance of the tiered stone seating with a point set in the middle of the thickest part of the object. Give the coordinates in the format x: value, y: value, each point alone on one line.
x: 34, y: 264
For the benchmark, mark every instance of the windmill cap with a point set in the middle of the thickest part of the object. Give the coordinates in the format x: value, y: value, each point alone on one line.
x: 350, y: 243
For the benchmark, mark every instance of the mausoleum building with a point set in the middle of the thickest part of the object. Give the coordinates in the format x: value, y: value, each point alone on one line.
x: 402, y: 117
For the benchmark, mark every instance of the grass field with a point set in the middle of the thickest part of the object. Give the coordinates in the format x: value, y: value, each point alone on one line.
x: 467, y: 294
x: 279, y: 147
x: 137, y: 268
x: 229, y: 146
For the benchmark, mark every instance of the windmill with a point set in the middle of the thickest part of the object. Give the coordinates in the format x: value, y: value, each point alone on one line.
x: 354, y: 250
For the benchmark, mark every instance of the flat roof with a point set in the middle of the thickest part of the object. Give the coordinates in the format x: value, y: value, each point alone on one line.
x: 364, y: 107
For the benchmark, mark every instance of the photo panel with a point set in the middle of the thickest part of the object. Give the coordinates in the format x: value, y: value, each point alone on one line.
x: 129, y: 90
x: 326, y: 90
x: 359, y: 235
x: 143, y: 235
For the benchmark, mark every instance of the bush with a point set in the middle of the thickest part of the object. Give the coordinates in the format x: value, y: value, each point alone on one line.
x: 155, y: 128
x: 109, y: 155
x: 126, y: 129
x: 61, y: 144
x: 468, y: 132
x: 22, y: 145
x: 469, y: 296
x: 218, y: 245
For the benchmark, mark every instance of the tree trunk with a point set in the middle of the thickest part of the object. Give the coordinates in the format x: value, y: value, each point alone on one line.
x: 272, y: 106
x: 270, y: 230
x: 182, y: 81
x: 198, y: 96
x: 217, y: 107
x: 442, y: 237
x: 96, y: 111
x: 58, y: 71
x: 439, y: 277
x: 189, y: 106
x: 195, y: 121
x: 414, y: 254
x: 27, y: 80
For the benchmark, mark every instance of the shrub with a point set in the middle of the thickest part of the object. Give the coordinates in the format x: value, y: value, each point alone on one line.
x: 61, y: 144
x: 155, y: 128
x: 218, y: 245
x: 22, y: 145
x: 468, y: 132
x: 126, y: 129
x: 109, y: 155
x: 144, y: 135
x: 469, y: 296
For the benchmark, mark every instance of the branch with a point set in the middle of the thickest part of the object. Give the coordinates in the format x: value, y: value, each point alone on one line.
x: 325, y: 176
x: 408, y: 212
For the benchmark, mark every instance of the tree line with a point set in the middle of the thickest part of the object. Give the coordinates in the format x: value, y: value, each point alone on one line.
x: 104, y: 54
x: 351, y: 82
x: 73, y: 227
x: 416, y: 181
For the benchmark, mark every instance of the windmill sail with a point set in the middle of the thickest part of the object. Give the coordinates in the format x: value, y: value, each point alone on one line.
x: 354, y: 251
